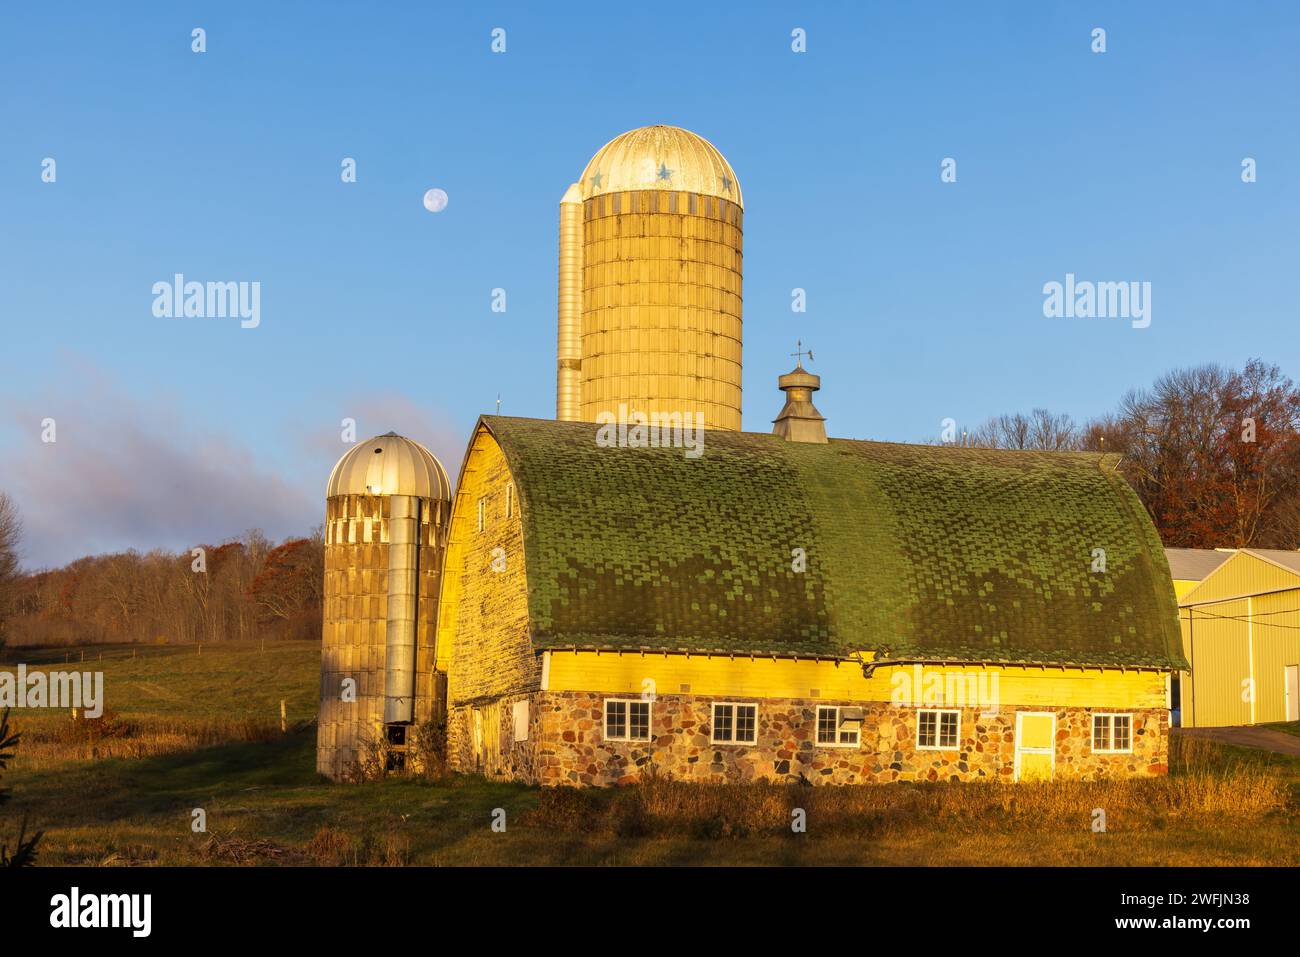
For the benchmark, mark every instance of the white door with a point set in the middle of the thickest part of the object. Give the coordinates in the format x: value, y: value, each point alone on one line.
x: 1035, y: 745
x: 1293, y: 692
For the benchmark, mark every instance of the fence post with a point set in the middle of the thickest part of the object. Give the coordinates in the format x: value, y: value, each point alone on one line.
x: 282, y: 727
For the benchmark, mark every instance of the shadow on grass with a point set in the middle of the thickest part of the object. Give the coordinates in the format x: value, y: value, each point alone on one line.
x: 139, y: 810
x: 263, y: 790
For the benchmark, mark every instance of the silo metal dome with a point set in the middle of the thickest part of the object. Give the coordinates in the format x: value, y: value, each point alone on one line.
x: 389, y: 464
x: 660, y: 158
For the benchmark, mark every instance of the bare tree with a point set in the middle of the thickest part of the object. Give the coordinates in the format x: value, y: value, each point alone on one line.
x: 1041, y: 430
x: 11, y: 533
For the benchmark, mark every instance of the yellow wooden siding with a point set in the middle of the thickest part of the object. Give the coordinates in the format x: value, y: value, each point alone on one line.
x: 628, y: 673
x: 483, y: 642
x: 485, y: 737
x: 1183, y: 585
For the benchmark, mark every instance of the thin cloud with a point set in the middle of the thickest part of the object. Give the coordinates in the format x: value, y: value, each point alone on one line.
x: 123, y: 474
x: 380, y: 413
x: 126, y: 472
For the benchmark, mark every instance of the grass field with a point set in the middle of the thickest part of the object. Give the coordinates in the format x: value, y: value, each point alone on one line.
x: 161, y: 699
x: 202, y: 731
x: 1290, y: 727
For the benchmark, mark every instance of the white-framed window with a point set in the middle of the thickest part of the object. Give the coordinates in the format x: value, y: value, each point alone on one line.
x: 734, y: 723
x: 830, y: 733
x: 627, y: 719
x: 510, y: 499
x: 938, y: 730
x: 482, y: 510
x: 1112, y: 733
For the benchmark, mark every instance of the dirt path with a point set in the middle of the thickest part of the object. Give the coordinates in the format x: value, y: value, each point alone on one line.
x: 1265, y: 738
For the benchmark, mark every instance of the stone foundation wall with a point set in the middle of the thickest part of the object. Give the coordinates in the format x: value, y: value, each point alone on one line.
x: 492, y: 749
x: 566, y: 744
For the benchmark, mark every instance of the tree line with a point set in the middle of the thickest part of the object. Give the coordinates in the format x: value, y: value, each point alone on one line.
x: 245, y: 588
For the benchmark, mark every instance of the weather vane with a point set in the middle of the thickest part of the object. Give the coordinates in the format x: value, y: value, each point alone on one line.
x: 799, y: 353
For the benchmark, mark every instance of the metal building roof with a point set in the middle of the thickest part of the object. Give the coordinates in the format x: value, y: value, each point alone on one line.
x: 1193, y: 564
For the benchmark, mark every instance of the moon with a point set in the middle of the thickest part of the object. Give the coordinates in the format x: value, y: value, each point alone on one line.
x: 435, y: 200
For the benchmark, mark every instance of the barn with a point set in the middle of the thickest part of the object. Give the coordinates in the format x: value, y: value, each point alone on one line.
x: 639, y: 584
x: 834, y: 611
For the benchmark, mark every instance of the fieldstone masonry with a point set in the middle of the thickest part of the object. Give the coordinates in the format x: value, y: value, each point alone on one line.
x: 566, y: 745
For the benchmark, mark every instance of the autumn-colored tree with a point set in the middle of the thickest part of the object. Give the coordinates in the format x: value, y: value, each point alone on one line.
x: 1261, y: 439
x: 169, y: 596
x: 1213, y: 454
x: 288, y: 591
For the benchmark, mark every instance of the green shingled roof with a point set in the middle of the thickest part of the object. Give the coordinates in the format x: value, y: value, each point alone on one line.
x: 913, y: 551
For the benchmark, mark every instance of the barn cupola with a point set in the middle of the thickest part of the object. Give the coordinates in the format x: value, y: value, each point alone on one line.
x: 799, y: 420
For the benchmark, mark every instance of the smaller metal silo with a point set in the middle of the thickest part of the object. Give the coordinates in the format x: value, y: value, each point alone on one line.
x: 386, y: 511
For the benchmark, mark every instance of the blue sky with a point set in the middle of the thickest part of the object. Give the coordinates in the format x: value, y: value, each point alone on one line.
x: 924, y: 298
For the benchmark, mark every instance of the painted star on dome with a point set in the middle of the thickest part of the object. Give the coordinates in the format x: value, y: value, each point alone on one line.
x: 664, y: 171
x: 595, y: 179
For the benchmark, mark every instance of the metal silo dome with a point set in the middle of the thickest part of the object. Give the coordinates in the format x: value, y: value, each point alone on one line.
x: 389, y: 464
x: 660, y: 158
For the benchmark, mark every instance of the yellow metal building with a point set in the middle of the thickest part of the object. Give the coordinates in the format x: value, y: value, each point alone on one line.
x: 1189, y: 566
x: 1241, y: 636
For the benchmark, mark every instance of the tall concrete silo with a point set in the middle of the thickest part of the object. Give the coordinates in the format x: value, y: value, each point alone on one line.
x: 387, y: 507
x: 650, y: 272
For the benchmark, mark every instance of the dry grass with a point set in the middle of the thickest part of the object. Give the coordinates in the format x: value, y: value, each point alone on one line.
x: 1207, y: 788
x: 330, y: 847
x: 204, y: 731
x: 220, y: 849
x: 53, y: 745
x: 266, y: 806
